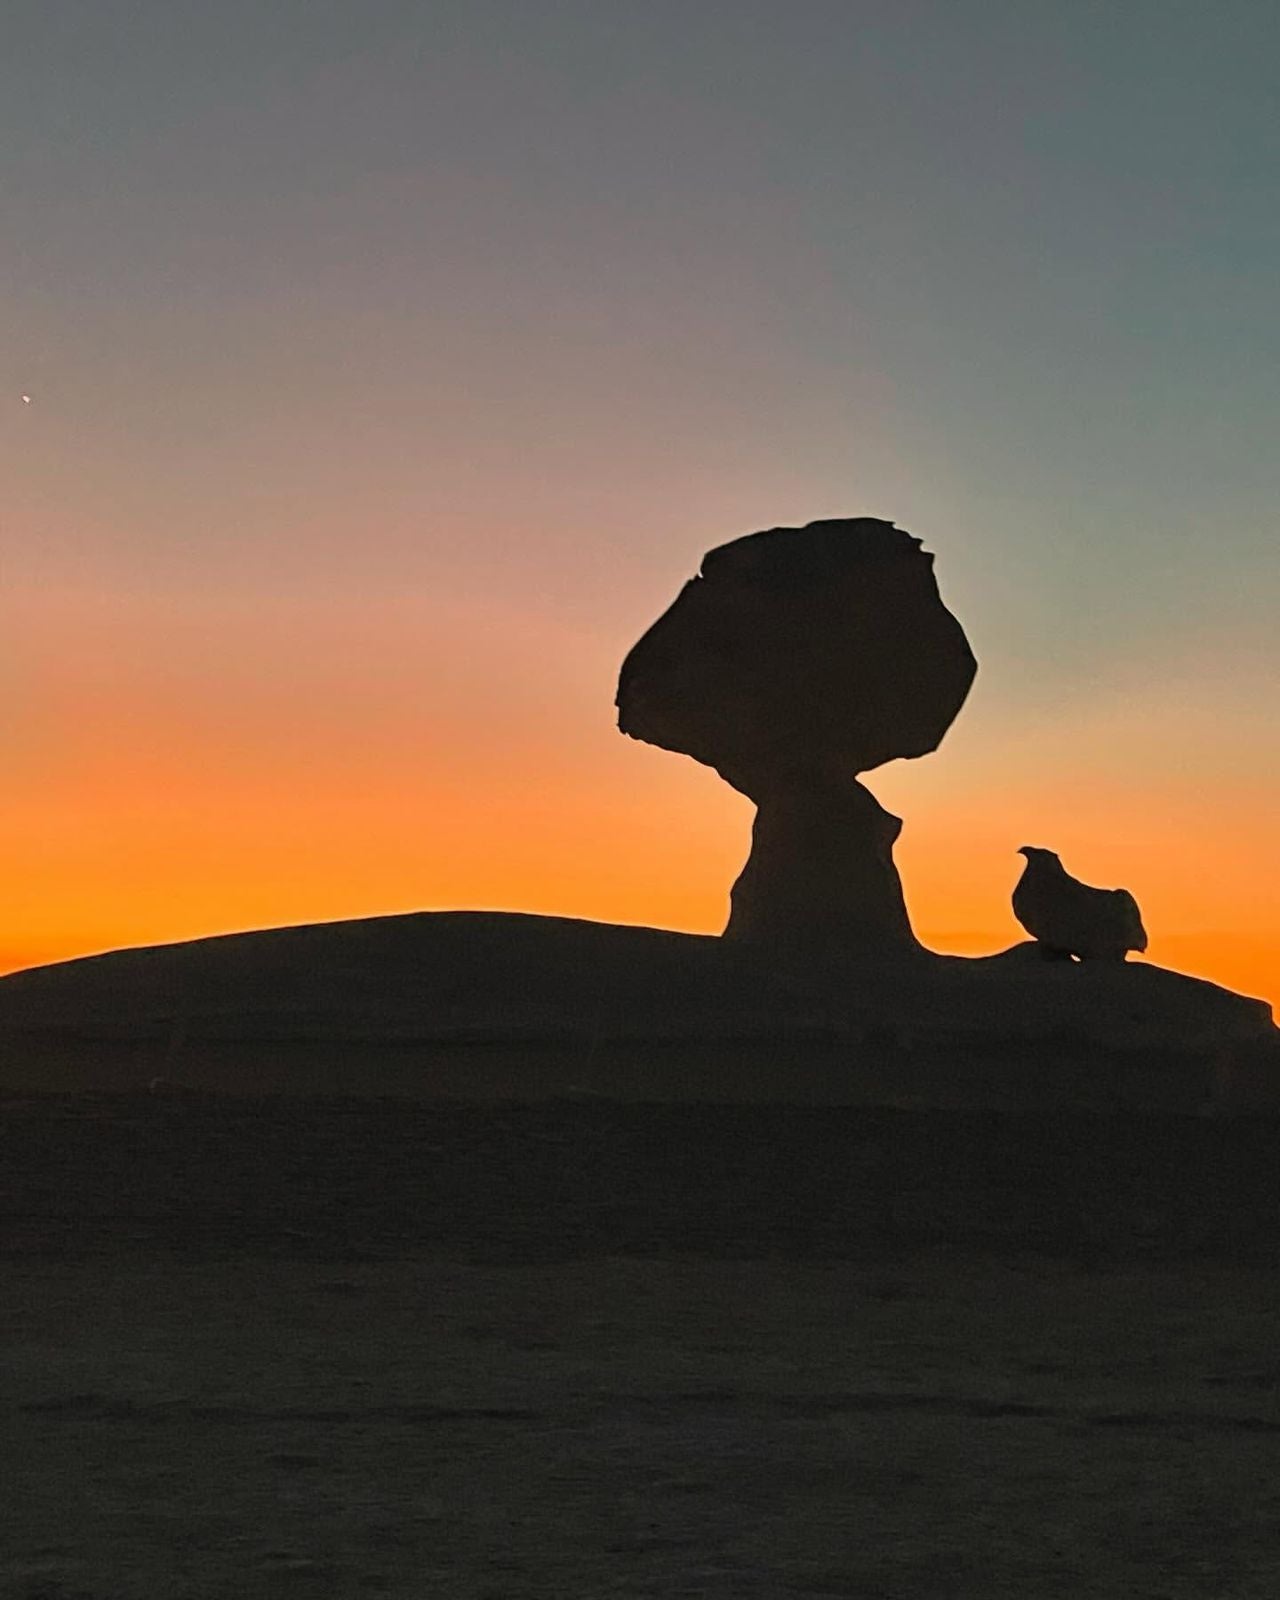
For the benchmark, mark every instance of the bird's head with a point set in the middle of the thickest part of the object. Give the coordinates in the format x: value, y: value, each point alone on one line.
x: 1036, y: 857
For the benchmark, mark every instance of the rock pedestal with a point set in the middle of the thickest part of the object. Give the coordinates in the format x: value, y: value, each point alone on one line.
x: 820, y: 883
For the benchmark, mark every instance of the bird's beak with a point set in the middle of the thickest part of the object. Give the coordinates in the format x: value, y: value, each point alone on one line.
x: 1024, y: 849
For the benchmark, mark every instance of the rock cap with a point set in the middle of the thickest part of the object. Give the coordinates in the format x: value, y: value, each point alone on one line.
x: 817, y: 652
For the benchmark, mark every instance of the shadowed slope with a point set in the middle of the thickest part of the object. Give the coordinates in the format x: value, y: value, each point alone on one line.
x: 438, y: 974
x: 627, y: 1012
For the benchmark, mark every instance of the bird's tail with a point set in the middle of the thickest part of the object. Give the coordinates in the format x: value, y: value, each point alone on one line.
x: 1135, y: 933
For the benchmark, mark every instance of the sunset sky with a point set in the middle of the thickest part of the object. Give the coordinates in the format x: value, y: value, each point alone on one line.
x: 389, y: 365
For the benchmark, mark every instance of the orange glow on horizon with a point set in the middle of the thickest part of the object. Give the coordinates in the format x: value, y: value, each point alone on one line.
x: 168, y: 856
x: 340, y: 761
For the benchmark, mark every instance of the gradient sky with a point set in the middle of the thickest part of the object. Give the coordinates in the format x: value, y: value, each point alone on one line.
x: 392, y: 363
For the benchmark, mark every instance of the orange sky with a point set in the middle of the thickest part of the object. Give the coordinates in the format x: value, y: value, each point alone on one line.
x: 167, y: 848
x: 221, y: 767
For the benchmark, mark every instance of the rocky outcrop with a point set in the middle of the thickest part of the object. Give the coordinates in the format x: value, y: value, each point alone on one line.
x: 796, y: 659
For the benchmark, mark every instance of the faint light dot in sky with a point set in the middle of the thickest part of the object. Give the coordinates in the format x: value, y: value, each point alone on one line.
x: 26, y: 399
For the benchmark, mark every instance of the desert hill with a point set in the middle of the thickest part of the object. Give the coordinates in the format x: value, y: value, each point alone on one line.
x: 506, y: 1003
x: 437, y: 975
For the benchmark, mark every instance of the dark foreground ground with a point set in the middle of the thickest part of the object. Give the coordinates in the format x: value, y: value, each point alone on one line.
x: 323, y: 1347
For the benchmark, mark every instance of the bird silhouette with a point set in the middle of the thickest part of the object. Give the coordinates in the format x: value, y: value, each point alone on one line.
x: 1070, y: 918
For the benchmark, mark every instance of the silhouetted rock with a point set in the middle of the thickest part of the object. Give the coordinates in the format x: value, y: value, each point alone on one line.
x: 824, y: 650
x: 798, y: 658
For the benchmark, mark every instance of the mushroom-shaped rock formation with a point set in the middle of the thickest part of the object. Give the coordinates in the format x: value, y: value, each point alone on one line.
x: 796, y: 659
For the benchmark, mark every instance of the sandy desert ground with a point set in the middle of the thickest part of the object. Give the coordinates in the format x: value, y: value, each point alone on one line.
x: 262, y: 1348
